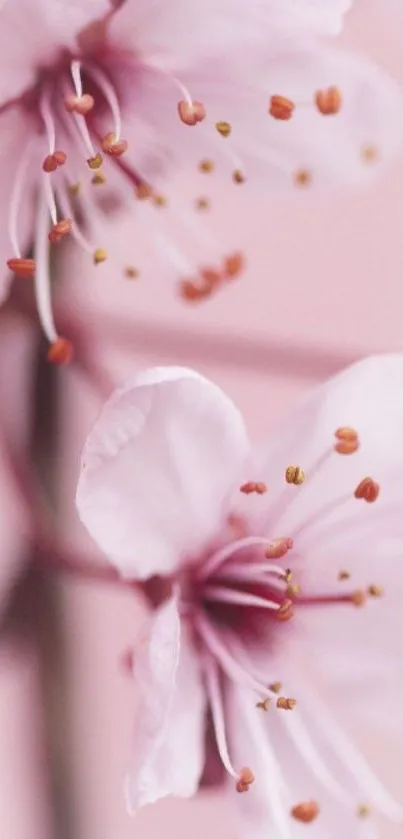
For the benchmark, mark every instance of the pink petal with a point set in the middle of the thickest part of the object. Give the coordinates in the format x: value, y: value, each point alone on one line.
x: 179, y: 33
x: 168, y: 750
x: 32, y: 35
x: 157, y: 468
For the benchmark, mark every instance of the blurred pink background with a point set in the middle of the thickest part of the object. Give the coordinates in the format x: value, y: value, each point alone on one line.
x: 324, y: 286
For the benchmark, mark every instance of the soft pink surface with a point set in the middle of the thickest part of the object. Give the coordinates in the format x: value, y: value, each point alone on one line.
x: 325, y: 280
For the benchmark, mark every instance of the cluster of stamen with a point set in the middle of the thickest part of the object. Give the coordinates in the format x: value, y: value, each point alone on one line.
x: 255, y: 582
x: 327, y: 101
x: 211, y: 280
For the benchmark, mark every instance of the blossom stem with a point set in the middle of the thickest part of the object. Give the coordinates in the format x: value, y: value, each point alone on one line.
x: 50, y: 556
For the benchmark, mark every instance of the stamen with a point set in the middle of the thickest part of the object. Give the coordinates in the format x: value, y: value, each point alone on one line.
x: 279, y: 548
x: 131, y: 272
x: 347, y: 440
x: 357, y: 597
x: 328, y: 101
x: 285, y: 703
x: 344, y: 575
x: 111, y: 97
x: 206, y: 166
x: 223, y: 128
x: 238, y: 176
x: 79, y: 104
x: 190, y: 112
x: 222, y: 594
x: 264, y: 705
x: 234, y: 264
x: 220, y: 556
x: 303, y: 177
x: 305, y: 812
x: 375, y: 591
x: 50, y: 199
x: 59, y: 230
x: 252, y: 486
x: 363, y: 811
x: 294, y: 475
x: 202, y: 203
x: 17, y: 195
x: 370, y: 154
x: 48, y: 121
x: 22, y: 267
x: 246, y: 778
x: 281, y: 108
x: 276, y: 687
x: 221, y: 652
x: 53, y: 161
x: 217, y: 710
x: 61, y: 350
x: 99, y: 255
x: 285, y: 612
x: 367, y: 489
x: 112, y: 146
x: 95, y: 160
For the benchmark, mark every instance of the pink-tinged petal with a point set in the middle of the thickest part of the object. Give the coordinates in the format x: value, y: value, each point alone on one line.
x: 32, y: 36
x: 157, y: 468
x: 13, y: 131
x: 168, y: 749
x: 180, y: 33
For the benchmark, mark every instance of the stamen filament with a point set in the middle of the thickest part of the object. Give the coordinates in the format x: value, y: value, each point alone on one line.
x: 222, y: 594
x: 110, y: 95
x: 77, y: 234
x: 227, y: 662
x: 50, y: 198
x: 16, y: 199
x: 220, y: 556
x: 216, y: 704
x: 79, y: 119
x: 42, y: 275
x: 48, y: 121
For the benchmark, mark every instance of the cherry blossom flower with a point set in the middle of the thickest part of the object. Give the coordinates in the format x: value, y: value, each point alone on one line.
x: 283, y: 565
x: 98, y: 102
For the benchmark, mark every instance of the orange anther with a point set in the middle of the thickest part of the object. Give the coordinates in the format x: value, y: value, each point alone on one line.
x: 305, y: 812
x: 112, y: 146
x: 60, y: 352
x: 281, y: 108
x: 22, y: 267
x: 367, y: 489
x: 191, y: 112
x: 328, y: 101
x: 246, y: 778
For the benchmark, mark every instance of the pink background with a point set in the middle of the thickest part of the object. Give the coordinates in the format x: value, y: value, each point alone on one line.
x: 324, y: 286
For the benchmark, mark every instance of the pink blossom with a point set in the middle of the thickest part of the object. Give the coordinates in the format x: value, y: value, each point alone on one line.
x: 144, y: 86
x: 283, y: 563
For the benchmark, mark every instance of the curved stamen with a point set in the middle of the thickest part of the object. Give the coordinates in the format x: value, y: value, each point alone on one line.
x: 42, y: 276
x: 217, y: 711
x: 79, y: 119
x: 16, y: 198
x: 110, y: 95
x: 50, y: 198
x: 48, y: 121
x: 227, y: 662
x: 75, y: 230
x: 222, y: 594
x: 220, y: 556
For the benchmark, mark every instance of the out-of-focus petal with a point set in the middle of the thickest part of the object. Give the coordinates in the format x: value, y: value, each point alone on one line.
x: 180, y: 33
x: 157, y: 468
x: 32, y: 36
x: 168, y: 748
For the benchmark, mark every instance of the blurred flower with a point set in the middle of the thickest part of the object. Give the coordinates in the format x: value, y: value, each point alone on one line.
x: 102, y: 101
x: 278, y: 559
